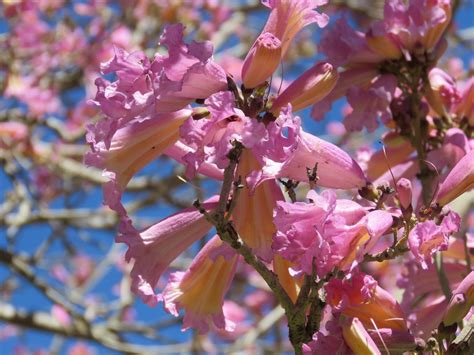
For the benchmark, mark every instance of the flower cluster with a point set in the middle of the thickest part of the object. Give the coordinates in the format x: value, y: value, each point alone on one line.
x: 316, y: 254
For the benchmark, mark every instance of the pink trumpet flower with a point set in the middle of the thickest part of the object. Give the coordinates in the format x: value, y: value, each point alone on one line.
x: 465, y: 106
x: 288, y: 17
x: 459, y: 180
x: 253, y: 214
x: 442, y: 93
x: 326, y: 233
x: 134, y: 145
x: 312, y: 86
x: 461, y: 301
x: 262, y: 60
x: 201, y: 289
x: 357, y: 337
x: 156, y: 247
x: 361, y: 297
x: 335, y: 168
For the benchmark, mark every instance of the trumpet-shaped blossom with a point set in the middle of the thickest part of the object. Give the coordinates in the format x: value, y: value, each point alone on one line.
x: 131, y: 95
x: 413, y: 22
x: 124, y: 151
x: 165, y: 84
x: 154, y: 248
x: 253, y: 213
x: 302, y: 151
x: 281, y: 147
x: 426, y: 238
x: 201, y: 289
x: 360, y: 296
x: 416, y: 281
x: 423, y: 300
x: 394, y: 340
x: 461, y: 301
x: 262, y: 60
x: 146, y: 105
x: 342, y: 45
x: 326, y: 232
x: 357, y: 337
x: 465, y: 106
x: 312, y: 86
x: 442, y: 93
x: 288, y: 17
x: 459, y: 180
x: 455, y: 146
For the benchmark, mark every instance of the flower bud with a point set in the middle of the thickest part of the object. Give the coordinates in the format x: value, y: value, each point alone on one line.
x: 461, y: 301
x: 262, y: 60
x: 459, y: 180
x: 309, y: 88
x: 404, y: 192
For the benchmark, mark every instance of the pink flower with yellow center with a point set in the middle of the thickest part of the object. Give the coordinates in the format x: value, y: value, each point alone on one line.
x: 361, y: 297
x: 201, y: 289
x: 287, y: 18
